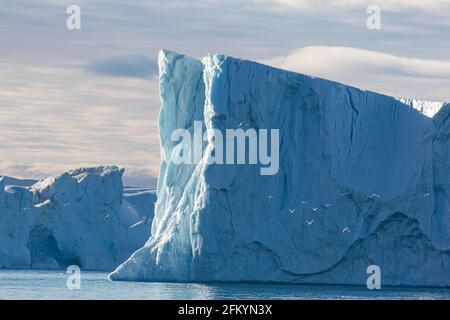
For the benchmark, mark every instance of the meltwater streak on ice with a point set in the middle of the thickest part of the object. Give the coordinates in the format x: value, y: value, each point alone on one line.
x: 363, y: 180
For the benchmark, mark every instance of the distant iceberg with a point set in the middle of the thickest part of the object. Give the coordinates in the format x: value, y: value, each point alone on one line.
x: 78, y: 218
x: 364, y: 180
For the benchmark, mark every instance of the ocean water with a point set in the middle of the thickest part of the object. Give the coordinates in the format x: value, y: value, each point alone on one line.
x: 34, y: 284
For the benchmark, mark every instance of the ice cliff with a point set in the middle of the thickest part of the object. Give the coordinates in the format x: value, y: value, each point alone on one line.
x: 77, y: 218
x: 364, y: 179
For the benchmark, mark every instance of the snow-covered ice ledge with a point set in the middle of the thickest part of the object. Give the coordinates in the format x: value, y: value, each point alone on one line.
x: 363, y: 180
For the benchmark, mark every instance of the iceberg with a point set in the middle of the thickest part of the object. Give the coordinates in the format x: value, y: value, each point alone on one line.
x: 72, y: 219
x: 136, y: 215
x: 363, y: 180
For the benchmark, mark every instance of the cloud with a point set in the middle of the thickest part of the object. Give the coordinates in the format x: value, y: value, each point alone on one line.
x: 56, y: 119
x: 388, y: 5
x: 132, y: 66
x: 372, y: 70
x: 397, y: 15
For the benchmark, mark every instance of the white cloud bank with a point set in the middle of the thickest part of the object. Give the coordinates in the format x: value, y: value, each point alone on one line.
x: 372, y: 70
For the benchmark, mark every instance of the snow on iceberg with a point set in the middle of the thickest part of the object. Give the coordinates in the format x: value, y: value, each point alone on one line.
x: 363, y: 180
x: 71, y: 219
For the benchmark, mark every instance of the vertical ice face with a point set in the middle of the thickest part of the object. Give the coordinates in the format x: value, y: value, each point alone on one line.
x: 360, y: 175
x: 440, y: 177
x: 182, y: 96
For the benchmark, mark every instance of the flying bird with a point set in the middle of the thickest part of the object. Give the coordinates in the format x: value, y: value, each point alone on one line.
x: 269, y: 197
x: 374, y: 195
x: 309, y: 222
x: 304, y: 202
x: 346, y: 229
x: 427, y: 194
x: 243, y: 123
x: 291, y: 210
x: 314, y: 209
x: 326, y: 205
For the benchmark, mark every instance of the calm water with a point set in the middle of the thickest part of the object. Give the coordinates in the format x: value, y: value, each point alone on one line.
x: 95, y: 285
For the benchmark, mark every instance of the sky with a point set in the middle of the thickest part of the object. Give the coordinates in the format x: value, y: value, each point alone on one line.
x: 73, y: 98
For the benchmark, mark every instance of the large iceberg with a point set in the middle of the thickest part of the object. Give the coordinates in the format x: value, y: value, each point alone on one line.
x: 363, y: 180
x: 77, y: 218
